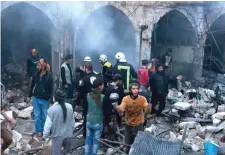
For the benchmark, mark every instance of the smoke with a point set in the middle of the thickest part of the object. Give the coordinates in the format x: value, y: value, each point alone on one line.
x: 105, y: 31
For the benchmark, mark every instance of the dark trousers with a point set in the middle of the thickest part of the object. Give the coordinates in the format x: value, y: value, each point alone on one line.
x: 69, y: 91
x: 131, y: 132
x: 6, y: 135
x: 161, y: 98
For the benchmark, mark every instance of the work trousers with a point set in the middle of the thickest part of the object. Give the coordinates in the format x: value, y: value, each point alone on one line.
x: 6, y: 135
x: 94, y: 132
x: 58, y: 143
x: 158, y: 98
x: 40, y: 107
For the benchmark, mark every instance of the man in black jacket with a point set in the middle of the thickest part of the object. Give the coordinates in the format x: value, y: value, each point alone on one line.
x: 159, y: 89
x: 32, y: 63
x: 41, y: 91
x: 84, y: 87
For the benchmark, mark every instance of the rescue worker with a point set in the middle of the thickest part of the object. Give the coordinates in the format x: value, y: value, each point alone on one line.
x: 125, y: 69
x: 32, y: 63
x: 166, y: 60
x: 106, y: 64
x: 81, y: 69
x: 159, y: 89
x: 112, y: 94
x: 84, y: 87
x: 67, y: 77
x: 134, y: 106
x: 142, y: 73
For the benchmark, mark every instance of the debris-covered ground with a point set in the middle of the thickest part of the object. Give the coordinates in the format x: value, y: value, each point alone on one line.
x: 201, y: 110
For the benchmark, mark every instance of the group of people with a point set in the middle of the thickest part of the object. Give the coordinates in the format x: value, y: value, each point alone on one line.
x: 118, y: 92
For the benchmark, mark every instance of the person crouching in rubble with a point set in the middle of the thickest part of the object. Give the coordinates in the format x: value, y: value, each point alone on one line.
x: 134, y: 106
x: 41, y: 91
x: 61, y: 123
x: 159, y: 89
x: 6, y: 135
x: 94, y: 125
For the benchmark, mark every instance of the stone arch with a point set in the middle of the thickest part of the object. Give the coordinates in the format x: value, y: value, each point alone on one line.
x: 38, y: 5
x: 117, y: 5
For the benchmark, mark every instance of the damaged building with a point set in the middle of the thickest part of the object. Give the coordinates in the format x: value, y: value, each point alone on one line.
x: 141, y: 30
x: 92, y: 28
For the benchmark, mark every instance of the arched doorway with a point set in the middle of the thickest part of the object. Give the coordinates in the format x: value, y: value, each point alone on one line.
x: 106, y: 31
x: 214, y: 55
x: 24, y: 27
x: 175, y: 31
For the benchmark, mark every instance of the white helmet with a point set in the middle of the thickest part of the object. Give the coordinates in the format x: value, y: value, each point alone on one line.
x: 120, y: 56
x: 87, y: 58
x: 103, y: 58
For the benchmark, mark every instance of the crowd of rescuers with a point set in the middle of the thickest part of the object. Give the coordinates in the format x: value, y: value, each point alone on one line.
x: 118, y: 92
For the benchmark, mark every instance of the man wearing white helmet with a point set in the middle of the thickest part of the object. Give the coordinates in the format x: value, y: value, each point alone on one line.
x: 87, y: 58
x: 106, y: 64
x: 125, y: 69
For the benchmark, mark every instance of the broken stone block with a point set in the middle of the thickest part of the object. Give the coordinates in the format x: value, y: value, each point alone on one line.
x: 197, y: 115
x: 216, y: 122
x: 25, y: 113
x: 188, y: 124
x: 193, y: 133
x: 218, y: 135
x: 16, y: 136
x: 110, y: 151
x: 219, y: 115
x: 195, y: 147
x: 220, y: 127
x: 182, y: 105
x: 21, y: 106
x: 200, y: 130
x: 173, y: 136
x: 211, y: 129
x: 211, y: 111
x: 152, y: 129
x: 221, y: 108
x: 35, y: 142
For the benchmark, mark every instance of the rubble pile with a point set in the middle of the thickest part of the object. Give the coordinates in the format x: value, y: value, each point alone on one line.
x: 198, y: 109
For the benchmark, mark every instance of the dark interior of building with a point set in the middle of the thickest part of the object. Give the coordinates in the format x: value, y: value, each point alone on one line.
x: 214, y: 49
x: 174, y: 31
x: 106, y: 31
x: 24, y: 27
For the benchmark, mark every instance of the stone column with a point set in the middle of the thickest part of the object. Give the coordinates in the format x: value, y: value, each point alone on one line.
x: 138, y: 52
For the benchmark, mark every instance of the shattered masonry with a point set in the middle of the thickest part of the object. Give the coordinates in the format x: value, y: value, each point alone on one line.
x: 148, y: 13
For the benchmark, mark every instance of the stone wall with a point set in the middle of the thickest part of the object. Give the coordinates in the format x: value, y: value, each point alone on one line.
x: 144, y: 13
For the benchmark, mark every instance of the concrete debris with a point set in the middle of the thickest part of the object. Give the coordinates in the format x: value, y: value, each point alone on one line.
x: 219, y: 115
x: 182, y: 106
x: 216, y: 122
x: 16, y: 136
x: 25, y: 113
x: 152, y: 129
x: 21, y: 106
x: 221, y: 108
x: 189, y: 125
x: 211, y: 129
x: 211, y: 111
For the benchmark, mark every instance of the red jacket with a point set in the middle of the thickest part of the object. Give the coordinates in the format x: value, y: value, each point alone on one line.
x: 142, y: 75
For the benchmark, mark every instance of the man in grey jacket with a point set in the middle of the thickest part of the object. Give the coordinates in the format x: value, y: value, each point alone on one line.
x: 60, y: 122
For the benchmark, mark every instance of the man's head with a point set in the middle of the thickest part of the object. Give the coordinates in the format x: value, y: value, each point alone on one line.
x: 144, y: 62
x: 98, y: 84
x: 34, y: 52
x: 87, y: 59
x: 88, y: 67
x: 134, y: 88
x: 68, y: 59
x: 160, y: 68
x: 102, y: 58
x: 150, y: 64
x: 169, y: 52
x: 43, y: 65
x: 59, y: 95
x: 117, y: 78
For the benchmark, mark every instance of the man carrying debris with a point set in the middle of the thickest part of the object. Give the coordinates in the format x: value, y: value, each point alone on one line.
x: 159, y: 89
x: 67, y: 77
x: 94, y: 126
x: 112, y: 94
x: 84, y: 87
x: 134, y: 106
x: 6, y: 135
x: 32, y: 63
x: 41, y: 92
x: 60, y: 122
x: 106, y: 64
